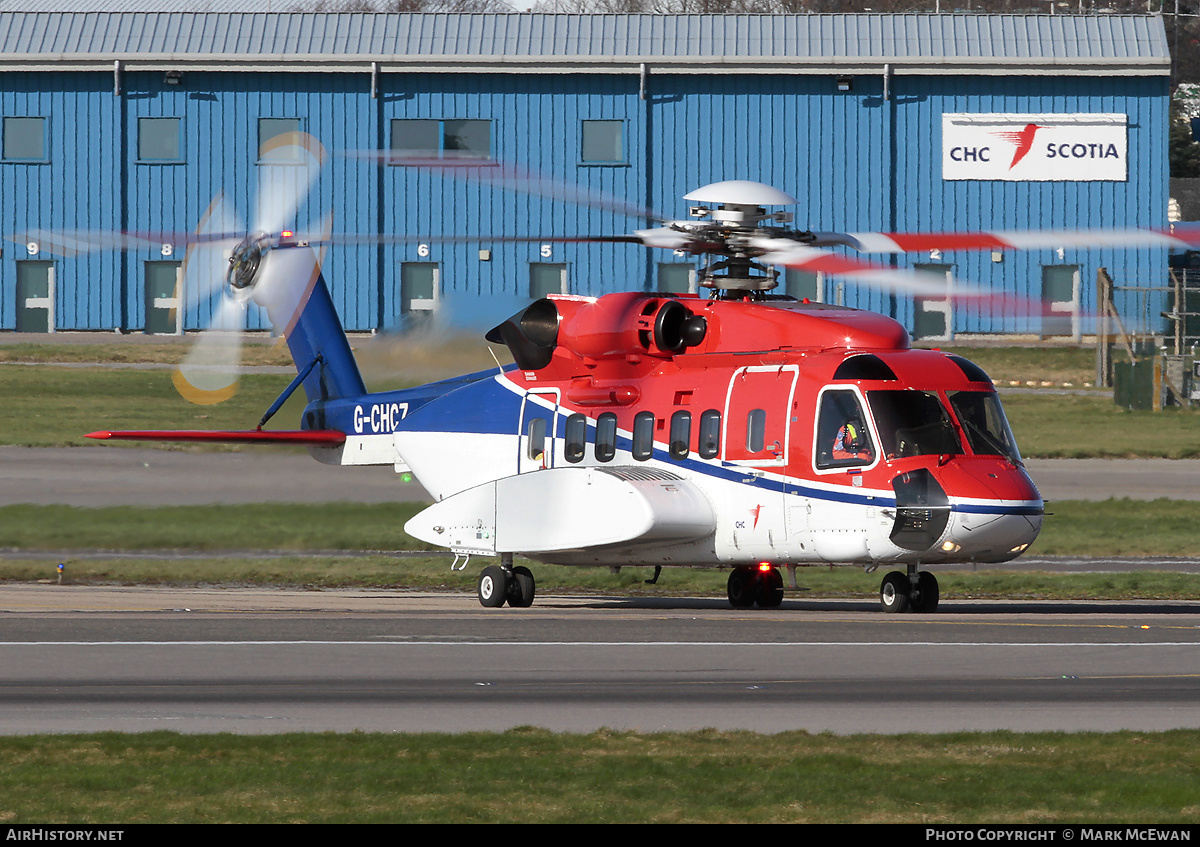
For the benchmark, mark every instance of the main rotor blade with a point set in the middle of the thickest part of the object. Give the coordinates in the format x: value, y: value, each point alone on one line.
x: 74, y: 242
x: 512, y: 177
x: 350, y: 238
x: 905, y: 281
x: 1180, y: 236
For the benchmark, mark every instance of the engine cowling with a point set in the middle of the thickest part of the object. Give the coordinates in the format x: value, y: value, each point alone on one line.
x: 608, y: 327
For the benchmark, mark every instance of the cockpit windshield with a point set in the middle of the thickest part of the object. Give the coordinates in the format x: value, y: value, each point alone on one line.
x: 913, y: 423
x: 984, y: 423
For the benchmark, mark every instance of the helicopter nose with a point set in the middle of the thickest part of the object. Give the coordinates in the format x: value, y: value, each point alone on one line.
x: 998, y: 511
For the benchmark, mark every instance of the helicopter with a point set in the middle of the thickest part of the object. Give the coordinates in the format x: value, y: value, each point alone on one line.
x: 743, y: 430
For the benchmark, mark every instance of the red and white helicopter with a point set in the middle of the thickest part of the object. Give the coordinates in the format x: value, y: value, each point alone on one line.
x: 740, y: 430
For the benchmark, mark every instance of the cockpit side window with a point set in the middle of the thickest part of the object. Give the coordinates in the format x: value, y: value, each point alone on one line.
x: 843, y: 439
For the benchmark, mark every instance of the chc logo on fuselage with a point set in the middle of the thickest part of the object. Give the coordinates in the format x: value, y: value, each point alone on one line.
x: 379, y: 417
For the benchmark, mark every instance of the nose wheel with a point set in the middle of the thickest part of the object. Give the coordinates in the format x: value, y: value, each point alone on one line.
x: 916, y: 591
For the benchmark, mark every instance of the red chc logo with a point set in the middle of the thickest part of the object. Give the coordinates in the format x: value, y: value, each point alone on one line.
x: 1023, y: 140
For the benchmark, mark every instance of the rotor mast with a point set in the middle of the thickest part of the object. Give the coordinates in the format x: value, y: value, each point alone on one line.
x: 740, y: 215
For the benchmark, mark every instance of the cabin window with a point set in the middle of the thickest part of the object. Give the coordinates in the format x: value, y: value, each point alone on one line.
x: 913, y: 423
x: 643, y: 436
x: 843, y: 439
x: 576, y: 439
x: 681, y: 435
x: 756, y: 428
x: 536, y: 430
x: 606, y: 437
x: 984, y: 424
x: 710, y: 434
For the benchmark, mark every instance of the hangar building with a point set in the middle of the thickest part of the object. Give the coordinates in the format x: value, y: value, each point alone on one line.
x: 134, y: 122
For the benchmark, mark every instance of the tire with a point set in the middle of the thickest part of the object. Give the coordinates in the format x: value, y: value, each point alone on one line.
x: 742, y: 588
x: 521, y: 588
x: 770, y: 590
x: 926, y: 597
x: 492, y: 587
x: 895, y: 593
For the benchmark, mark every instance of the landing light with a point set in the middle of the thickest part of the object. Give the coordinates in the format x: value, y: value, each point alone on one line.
x: 950, y: 547
x: 1020, y: 548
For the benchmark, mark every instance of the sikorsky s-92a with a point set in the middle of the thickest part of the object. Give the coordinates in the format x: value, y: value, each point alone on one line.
x: 740, y: 430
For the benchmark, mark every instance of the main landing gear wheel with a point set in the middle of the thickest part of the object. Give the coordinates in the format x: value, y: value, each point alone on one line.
x: 493, y: 587
x: 925, y: 597
x: 895, y: 592
x: 770, y: 589
x: 742, y: 587
x: 521, y: 588
x: 748, y: 586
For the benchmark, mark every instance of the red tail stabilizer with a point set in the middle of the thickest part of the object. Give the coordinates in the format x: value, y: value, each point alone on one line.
x: 318, y: 437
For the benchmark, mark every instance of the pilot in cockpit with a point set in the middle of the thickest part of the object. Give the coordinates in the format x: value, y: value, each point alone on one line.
x: 851, y: 442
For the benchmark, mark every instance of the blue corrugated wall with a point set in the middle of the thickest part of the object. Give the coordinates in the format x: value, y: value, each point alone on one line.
x: 856, y: 161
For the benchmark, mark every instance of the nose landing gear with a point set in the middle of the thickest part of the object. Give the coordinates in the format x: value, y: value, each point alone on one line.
x: 916, y: 591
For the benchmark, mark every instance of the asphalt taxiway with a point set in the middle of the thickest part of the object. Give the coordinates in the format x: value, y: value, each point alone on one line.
x: 76, y: 658
x: 254, y: 662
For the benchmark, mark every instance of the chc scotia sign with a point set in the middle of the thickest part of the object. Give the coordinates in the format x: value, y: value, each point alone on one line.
x: 1035, y: 148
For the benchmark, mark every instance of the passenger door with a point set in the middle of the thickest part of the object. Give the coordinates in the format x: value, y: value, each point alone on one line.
x: 758, y: 415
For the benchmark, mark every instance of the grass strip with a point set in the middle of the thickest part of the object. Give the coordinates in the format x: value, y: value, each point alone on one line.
x: 530, y: 775
x: 1115, y: 527
x: 435, y: 574
x: 252, y: 526
x: 1067, y: 426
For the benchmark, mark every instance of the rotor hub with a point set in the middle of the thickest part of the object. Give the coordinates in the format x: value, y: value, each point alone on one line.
x: 245, y: 261
x: 734, y: 218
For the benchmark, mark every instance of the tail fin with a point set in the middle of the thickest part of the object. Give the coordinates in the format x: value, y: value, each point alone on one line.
x: 299, y: 305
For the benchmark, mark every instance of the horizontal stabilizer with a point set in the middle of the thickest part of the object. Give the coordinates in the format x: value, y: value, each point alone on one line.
x: 321, y: 437
x: 565, y: 509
